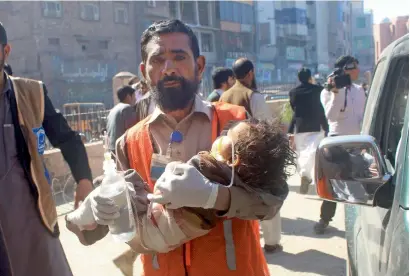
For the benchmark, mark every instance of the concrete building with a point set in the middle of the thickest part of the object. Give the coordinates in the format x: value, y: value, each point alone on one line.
x: 362, y: 37
x: 291, y: 38
x: 201, y: 16
x: 388, y: 31
x: 238, y: 30
x: 266, y: 33
x: 74, y: 47
x: 317, y: 49
x: 339, y: 31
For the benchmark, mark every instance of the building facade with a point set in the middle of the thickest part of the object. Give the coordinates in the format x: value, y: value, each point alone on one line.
x: 388, y: 31
x: 201, y: 16
x: 362, y: 37
x: 238, y: 31
x: 74, y: 47
x: 291, y: 39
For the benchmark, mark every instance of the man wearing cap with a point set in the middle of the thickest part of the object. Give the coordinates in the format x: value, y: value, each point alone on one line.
x: 308, y: 125
x: 244, y: 93
x: 344, y: 109
x: 29, y: 243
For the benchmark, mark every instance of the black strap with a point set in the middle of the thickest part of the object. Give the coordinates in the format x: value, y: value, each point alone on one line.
x: 347, y: 89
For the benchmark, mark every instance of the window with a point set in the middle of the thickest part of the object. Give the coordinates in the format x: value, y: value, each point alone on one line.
x: 188, y: 12
x: 151, y: 3
x: 173, y: 9
x: 400, y: 94
x: 121, y: 16
x: 54, y: 41
x: 90, y: 11
x: 361, y: 22
x: 83, y: 44
x: 103, y: 45
x: 204, y: 14
x: 264, y: 32
x: 207, y: 43
x: 52, y: 9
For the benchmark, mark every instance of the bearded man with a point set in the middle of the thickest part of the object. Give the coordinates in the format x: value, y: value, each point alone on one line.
x: 181, y: 126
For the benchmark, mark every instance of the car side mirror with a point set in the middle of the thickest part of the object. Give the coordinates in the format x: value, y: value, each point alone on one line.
x: 350, y: 169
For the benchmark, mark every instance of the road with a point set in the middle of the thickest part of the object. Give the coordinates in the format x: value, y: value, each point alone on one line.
x: 304, y: 253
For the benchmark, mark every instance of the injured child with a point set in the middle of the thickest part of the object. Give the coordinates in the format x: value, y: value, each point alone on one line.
x: 253, y: 155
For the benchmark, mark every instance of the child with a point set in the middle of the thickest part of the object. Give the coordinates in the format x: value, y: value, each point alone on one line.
x: 253, y: 155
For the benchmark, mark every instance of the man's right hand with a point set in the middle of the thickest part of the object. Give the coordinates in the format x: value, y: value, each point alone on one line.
x: 331, y: 81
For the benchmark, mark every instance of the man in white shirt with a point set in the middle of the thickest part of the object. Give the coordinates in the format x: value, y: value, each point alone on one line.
x: 344, y: 109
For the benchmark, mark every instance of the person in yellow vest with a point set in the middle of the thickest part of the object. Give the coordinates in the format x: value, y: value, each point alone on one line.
x: 181, y: 126
x: 29, y: 243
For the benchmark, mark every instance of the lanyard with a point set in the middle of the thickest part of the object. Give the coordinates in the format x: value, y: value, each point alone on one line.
x: 175, y: 137
x: 347, y: 89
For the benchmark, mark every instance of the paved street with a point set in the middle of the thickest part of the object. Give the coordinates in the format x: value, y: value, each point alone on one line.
x: 304, y: 252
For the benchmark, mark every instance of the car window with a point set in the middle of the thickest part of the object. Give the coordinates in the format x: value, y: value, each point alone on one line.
x: 374, y: 92
x: 399, y: 92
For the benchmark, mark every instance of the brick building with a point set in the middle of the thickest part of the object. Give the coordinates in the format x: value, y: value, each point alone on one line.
x: 388, y: 31
x: 74, y: 47
x: 201, y: 16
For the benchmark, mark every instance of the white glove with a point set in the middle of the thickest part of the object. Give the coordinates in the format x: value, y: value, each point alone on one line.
x: 104, y: 209
x: 83, y: 216
x: 182, y: 185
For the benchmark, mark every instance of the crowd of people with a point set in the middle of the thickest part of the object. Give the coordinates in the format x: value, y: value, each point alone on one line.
x: 226, y: 160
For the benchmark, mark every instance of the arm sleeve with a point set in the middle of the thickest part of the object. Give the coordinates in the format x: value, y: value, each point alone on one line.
x: 68, y: 141
x: 260, y: 110
x: 251, y: 206
x: 332, y: 104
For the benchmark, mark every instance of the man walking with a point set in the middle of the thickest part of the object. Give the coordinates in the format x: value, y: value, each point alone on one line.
x: 223, y: 80
x: 307, y: 126
x: 181, y: 126
x: 344, y: 109
x: 244, y: 93
x: 122, y: 116
x: 29, y: 243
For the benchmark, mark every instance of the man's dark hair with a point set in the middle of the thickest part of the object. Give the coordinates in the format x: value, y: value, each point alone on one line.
x: 242, y: 67
x: 304, y: 75
x: 220, y: 76
x: 345, y: 60
x: 8, y: 70
x: 124, y: 91
x: 167, y: 27
x: 264, y: 156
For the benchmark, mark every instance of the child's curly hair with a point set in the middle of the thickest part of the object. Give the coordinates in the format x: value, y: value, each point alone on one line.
x: 265, y: 155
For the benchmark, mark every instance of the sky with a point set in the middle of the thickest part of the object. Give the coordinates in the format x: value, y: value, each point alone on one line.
x: 387, y: 8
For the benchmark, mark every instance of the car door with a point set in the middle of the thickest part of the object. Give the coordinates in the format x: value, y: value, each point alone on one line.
x: 376, y: 226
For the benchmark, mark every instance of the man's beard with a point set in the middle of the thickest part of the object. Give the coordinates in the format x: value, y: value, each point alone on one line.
x: 174, y: 98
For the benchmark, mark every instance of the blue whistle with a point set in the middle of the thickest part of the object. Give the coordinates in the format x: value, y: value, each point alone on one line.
x: 176, y: 137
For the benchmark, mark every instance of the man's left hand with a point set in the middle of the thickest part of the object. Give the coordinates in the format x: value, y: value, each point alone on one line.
x: 182, y: 185
x: 84, y: 188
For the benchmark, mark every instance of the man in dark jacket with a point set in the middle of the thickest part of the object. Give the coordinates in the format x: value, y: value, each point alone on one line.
x: 307, y: 126
x: 223, y: 79
x: 27, y: 247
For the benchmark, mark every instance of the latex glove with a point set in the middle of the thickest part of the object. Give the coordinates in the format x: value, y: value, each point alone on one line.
x: 182, y: 185
x: 83, y: 216
x: 104, y: 209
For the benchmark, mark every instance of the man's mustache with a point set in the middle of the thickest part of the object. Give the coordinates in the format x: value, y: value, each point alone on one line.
x: 170, y: 79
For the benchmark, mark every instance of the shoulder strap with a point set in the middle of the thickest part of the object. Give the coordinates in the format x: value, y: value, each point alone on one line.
x: 28, y: 91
